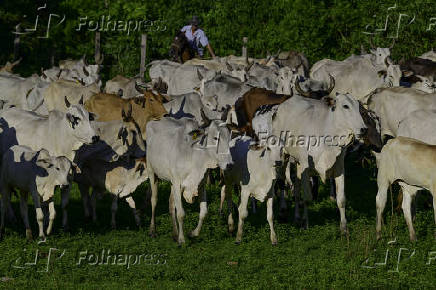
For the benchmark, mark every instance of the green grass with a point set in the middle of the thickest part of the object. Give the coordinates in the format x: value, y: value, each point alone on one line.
x: 319, y: 257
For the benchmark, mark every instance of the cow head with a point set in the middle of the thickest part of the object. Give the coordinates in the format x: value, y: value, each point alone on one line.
x: 393, y: 76
x: 346, y: 114
x: 373, y: 136
x: 424, y: 84
x: 57, y: 169
x: 214, y: 136
x: 78, y: 120
x: 130, y: 133
x: 381, y: 56
x: 286, y: 78
x: 314, y: 89
x: 272, y: 156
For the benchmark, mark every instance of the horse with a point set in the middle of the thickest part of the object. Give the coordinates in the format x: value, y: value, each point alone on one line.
x: 180, y: 50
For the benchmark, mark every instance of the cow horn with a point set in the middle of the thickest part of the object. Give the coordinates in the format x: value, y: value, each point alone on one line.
x: 371, y: 43
x: 43, y: 74
x: 278, y: 52
x: 129, y: 112
x: 206, y: 121
x: 386, y: 62
x: 247, y: 68
x: 16, y: 62
x: 392, y: 44
x: 139, y: 88
x: 200, y: 76
x: 84, y: 59
x: 229, y: 67
x: 67, y: 104
x: 85, y: 71
x: 299, y: 90
x: 332, y: 84
x: 81, y: 100
x: 100, y: 61
x: 59, y: 74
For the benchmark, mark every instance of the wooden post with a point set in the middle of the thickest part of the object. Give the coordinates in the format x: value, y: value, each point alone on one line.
x: 97, y: 54
x: 17, y: 41
x: 143, y: 55
x: 244, y: 48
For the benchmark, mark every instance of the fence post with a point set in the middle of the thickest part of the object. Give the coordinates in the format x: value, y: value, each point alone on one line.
x: 143, y: 54
x: 97, y: 54
x: 17, y: 41
x: 244, y: 48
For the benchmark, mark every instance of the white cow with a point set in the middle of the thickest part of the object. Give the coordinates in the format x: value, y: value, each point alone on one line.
x: 38, y: 173
x: 24, y: 93
x: 358, y: 76
x: 431, y: 55
x: 254, y: 171
x: 419, y: 125
x: 122, y: 86
x: 316, y: 134
x: 56, y: 91
x: 120, y: 178
x: 392, y: 105
x: 411, y: 162
x: 185, y: 165
x: 61, y: 134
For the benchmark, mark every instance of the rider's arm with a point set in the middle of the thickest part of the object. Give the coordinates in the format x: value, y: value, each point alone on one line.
x: 210, y: 50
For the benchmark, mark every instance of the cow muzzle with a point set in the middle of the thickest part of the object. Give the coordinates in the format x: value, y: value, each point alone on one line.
x: 95, y: 139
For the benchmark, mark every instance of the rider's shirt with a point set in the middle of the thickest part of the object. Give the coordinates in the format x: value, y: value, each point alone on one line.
x: 196, y: 38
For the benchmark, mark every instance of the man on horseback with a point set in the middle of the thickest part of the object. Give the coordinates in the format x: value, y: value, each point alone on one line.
x: 197, y: 37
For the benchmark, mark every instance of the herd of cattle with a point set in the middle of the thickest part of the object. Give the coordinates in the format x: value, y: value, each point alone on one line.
x: 264, y: 126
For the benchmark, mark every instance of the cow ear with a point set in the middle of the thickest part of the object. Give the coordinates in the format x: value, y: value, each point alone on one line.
x: 200, y: 76
x: 91, y: 116
x: 81, y: 100
x: 67, y: 104
x: 70, y: 118
x: 195, y: 133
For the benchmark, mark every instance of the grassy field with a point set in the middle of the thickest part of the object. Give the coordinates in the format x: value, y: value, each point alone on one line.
x: 319, y: 257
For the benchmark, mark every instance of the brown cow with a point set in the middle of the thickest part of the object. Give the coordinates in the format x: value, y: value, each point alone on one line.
x: 108, y: 107
x: 247, y: 105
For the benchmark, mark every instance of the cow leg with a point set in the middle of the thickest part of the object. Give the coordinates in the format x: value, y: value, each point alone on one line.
x: 230, y: 206
x: 433, y: 193
x: 94, y: 196
x: 243, y: 213
x: 25, y: 214
x: 172, y: 209
x: 203, y: 212
x: 179, y: 211
x: 306, y: 198
x: 132, y: 205
x: 39, y: 214
x: 297, y: 196
x: 114, y: 210
x: 381, y: 199
x: 283, y: 205
x: 406, y: 205
x: 222, y: 198
x: 10, y: 215
x: 270, y: 217
x: 84, y: 192
x: 253, y: 205
x: 315, y: 186
x: 5, y: 200
x: 332, y: 189
x: 65, y: 198
x: 340, y: 200
x: 154, y: 188
x: 52, y: 215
